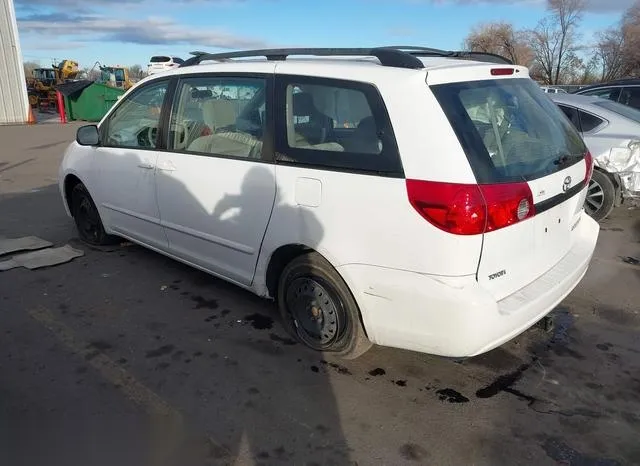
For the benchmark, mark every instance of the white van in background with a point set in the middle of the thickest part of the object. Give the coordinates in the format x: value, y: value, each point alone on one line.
x: 160, y: 63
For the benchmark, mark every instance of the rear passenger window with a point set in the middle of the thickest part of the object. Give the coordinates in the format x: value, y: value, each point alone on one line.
x: 589, y: 122
x: 219, y: 116
x: 334, y: 123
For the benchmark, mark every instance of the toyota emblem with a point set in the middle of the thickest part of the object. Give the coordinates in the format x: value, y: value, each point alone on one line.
x: 566, y: 184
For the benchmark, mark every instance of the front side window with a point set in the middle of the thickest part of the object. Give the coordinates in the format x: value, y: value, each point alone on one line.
x: 334, y: 123
x: 135, y: 121
x: 219, y: 116
x: 630, y: 96
x: 509, y: 129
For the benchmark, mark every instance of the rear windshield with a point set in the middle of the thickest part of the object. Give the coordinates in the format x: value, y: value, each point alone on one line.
x: 509, y: 129
x: 624, y: 110
x: 160, y: 59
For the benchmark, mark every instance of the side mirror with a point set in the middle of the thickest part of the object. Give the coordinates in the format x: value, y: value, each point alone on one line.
x: 88, y: 135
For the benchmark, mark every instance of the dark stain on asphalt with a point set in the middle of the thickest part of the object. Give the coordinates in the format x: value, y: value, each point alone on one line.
x: 631, y: 260
x: 177, y: 355
x: 451, y: 395
x: 259, y: 321
x: 604, y: 346
x: 184, y: 293
x: 197, y: 354
x: 162, y: 366
x: 211, y: 317
x: 253, y: 391
x: 225, y: 312
x: 122, y: 361
x: 202, y: 303
x: 63, y: 307
x: 100, y: 345
x: 378, y: 371
x: 82, y: 369
x: 413, y: 452
x: 284, y: 341
x: 616, y: 316
x: 163, y: 350
x: 505, y: 383
x: 315, y: 369
x: 338, y: 368
x: 562, y: 453
x: 322, y: 429
x: 400, y: 383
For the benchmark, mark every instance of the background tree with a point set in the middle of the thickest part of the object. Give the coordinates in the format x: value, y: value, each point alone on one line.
x: 137, y: 72
x: 555, y: 40
x: 500, y: 38
x: 29, y: 66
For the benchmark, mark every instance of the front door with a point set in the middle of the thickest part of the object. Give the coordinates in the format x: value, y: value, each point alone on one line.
x: 215, y: 188
x: 125, y: 166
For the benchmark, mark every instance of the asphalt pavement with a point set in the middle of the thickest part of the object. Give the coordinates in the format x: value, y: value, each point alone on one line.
x: 125, y: 357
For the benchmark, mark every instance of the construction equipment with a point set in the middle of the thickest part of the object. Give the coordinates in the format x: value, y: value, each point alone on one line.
x: 41, y: 85
x: 115, y: 76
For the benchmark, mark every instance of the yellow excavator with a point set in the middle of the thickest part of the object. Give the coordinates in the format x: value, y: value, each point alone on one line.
x: 41, y: 85
x: 114, y: 76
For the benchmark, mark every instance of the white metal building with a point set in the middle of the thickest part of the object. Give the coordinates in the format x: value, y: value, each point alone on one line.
x: 14, y: 102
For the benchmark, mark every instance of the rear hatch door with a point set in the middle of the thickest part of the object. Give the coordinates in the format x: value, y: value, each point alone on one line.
x: 515, y: 136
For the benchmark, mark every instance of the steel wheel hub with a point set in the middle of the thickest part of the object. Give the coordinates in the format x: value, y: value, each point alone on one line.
x: 314, y: 312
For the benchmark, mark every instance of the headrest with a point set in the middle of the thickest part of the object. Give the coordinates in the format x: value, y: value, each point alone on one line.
x: 303, y: 104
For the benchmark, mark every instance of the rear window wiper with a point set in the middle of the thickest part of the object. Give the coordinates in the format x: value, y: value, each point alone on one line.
x: 565, y: 158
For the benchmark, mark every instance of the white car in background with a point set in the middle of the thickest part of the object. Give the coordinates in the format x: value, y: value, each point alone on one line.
x: 612, y: 133
x: 160, y: 63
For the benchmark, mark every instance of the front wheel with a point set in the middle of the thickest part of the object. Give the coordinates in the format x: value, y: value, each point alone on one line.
x: 87, y: 218
x: 601, y: 196
x: 318, y: 309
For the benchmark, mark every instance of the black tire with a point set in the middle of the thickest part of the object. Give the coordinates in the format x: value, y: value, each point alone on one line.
x: 318, y: 309
x: 87, y: 218
x: 601, y: 196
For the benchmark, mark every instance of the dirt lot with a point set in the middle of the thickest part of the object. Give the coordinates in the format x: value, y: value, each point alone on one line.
x: 125, y: 357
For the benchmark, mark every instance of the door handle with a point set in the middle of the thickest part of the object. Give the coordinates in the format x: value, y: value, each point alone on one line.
x: 167, y: 166
x: 146, y: 165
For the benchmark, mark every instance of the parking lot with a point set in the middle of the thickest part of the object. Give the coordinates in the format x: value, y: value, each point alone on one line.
x: 125, y: 357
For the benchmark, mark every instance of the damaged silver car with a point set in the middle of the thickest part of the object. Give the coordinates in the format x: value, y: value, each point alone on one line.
x: 611, y: 131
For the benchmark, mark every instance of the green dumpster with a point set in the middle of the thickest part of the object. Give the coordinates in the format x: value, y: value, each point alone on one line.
x: 88, y: 100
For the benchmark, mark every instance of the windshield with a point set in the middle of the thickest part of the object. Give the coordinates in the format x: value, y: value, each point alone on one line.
x: 509, y: 129
x: 624, y: 110
x: 160, y: 59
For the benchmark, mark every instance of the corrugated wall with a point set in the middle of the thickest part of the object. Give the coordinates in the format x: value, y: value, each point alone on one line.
x: 14, y: 102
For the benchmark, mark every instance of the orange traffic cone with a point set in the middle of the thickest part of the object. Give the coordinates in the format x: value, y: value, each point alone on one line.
x: 32, y: 117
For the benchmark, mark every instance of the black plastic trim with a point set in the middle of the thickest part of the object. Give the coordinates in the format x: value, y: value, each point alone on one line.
x: 387, y: 163
x: 388, y: 56
x: 550, y: 203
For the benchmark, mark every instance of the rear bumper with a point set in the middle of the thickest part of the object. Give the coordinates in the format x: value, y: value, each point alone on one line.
x: 454, y: 316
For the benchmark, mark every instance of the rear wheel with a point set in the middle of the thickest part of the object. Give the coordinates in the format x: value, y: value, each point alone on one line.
x: 87, y: 218
x: 601, y: 196
x: 318, y: 308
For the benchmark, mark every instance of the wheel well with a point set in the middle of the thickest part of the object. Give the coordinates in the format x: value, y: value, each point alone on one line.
x: 617, y: 184
x: 279, y: 260
x: 70, y: 182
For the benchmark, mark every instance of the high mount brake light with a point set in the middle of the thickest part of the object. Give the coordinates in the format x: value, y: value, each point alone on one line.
x: 501, y: 71
x: 471, y: 209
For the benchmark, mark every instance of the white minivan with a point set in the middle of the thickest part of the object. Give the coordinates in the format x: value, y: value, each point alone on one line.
x: 412, y: 198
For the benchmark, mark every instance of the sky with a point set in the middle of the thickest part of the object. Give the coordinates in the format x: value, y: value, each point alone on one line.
x: 129, y: 32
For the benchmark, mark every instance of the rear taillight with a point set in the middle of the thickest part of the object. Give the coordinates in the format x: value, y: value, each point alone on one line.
x: 588, y: 160
x: 470, y: 209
